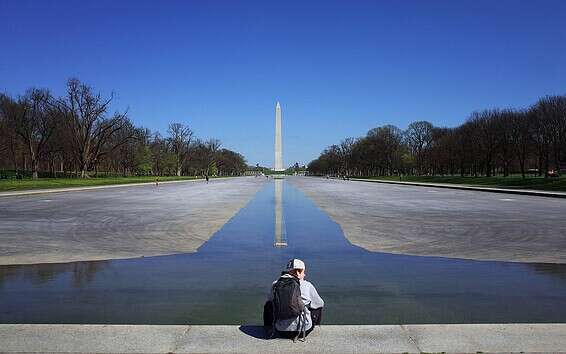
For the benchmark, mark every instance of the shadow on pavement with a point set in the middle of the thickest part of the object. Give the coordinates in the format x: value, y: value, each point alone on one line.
x: 258, y: 332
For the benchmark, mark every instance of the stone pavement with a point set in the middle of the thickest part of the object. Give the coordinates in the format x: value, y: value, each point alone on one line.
x: 113, y: 222
x: 443, y: 222
x: 458, y: 338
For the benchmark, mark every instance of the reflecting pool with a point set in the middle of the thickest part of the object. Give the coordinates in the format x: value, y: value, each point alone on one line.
x: 227, y: 279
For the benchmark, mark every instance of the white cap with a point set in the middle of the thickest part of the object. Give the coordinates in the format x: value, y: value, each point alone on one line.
x: 295, y: 264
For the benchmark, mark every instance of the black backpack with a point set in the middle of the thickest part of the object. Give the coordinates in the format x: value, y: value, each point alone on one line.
x: 287, y: 302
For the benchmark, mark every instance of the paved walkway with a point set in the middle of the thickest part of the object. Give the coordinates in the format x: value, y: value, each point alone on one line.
x: 432, y: 221
x: 118, y: 221
x: 471, y: 188
x: 464, y: 338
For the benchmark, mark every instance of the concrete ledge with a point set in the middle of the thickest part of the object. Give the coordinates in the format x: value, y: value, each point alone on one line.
x: 460, y: 338
x: 468, y: 187
x: 75, y: 189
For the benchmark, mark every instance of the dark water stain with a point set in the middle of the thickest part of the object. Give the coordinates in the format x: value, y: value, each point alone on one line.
x: 227, y: 280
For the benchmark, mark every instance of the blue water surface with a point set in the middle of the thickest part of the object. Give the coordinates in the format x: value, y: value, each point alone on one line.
x: 226, y: 281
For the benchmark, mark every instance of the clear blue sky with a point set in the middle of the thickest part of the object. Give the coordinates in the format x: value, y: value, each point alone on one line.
x: 338, y: 68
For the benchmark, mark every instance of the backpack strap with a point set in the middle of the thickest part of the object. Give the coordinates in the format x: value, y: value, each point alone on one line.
x: 301, y: 323
x: 298, y: 329
x: 273, y: 294
x: 304, y: 314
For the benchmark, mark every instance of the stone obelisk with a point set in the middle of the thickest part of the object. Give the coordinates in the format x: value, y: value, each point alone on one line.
x: 278, y: 143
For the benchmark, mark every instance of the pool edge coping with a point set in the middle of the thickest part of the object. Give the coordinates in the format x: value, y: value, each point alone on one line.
x: 407, y: 338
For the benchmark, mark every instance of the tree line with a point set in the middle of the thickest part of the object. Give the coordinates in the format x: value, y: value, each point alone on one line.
x: 490, y: 142
x: 76, y: 135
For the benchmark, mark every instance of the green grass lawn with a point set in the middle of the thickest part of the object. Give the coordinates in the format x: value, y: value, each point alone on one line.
x: 512, y: 182
x: 48, y: 183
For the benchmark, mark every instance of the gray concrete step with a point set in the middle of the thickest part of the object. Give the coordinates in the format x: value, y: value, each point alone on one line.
x: 458, y: 338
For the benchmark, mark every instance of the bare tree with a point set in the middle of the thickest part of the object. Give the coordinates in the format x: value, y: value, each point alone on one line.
x: 485, y: 137
x: 9, y: 142
x: 345, y: 150
x: 34, y: 121
x: 419, y: 137
x: 551, y: 112
x: 212, y: 147
x: 124, y: 156
x: 91, y: 129
x: 489, y: 142
x: 521, y: 137
x: 76, y: 133
x: 180, y: 138
x: 503, y: 127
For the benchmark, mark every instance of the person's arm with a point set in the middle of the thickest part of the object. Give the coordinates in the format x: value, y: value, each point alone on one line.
x: 315, y: 299
x: 270, y: 293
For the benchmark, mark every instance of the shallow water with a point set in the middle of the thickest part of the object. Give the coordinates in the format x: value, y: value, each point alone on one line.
x: 227, y: 279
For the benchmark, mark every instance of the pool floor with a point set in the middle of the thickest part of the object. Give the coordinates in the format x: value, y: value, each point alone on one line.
x: 227, y: 280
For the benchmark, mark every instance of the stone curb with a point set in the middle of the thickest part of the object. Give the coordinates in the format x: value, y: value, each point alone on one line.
x: 448, y: 338
x: 77, y: 189
x: 469, y: 188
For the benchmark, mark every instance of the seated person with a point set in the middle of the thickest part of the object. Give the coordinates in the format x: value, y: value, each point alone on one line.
x: 293, y: 306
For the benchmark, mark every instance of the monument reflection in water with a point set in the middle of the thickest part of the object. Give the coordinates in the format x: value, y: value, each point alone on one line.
x: 280, y: 231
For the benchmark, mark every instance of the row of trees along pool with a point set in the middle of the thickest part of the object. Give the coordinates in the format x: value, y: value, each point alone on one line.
x: 76, y: 135
x: 489, y: 142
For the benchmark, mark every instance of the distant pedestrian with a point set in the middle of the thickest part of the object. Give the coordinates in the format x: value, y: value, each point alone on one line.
x: 157, y: 182
x: 206, y: 179
x: 293, y: 305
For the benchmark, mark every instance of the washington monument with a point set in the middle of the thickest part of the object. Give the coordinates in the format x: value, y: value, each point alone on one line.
x: 278, y: 144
